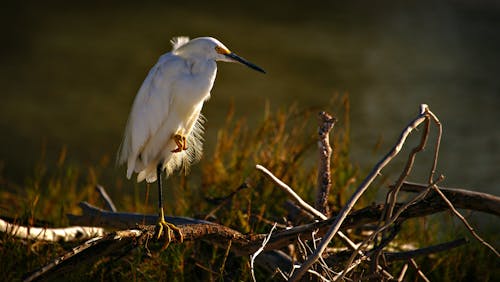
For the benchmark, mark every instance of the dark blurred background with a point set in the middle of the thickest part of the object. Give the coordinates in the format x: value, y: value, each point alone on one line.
x: 69, y: 72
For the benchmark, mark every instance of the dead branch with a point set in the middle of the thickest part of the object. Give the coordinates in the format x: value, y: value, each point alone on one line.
x: 107, y: 199
x: 324, y: 183
x: 419, y: 272
x: 403, y: 272
x: 260, y: 250
x: 466, y: 223
x: 392, y: 256
x: 392, y: 196
x: 303, y: 203
x: 67, y: 234
x: 461, y: 197
x: 94, y: 216
x: 361, y: 189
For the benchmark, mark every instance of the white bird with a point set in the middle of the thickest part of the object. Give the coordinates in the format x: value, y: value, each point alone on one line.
x: 165, y: 126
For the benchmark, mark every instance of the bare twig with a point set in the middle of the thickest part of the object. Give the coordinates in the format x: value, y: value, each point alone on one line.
x: 254, y: 255
x: 478, y: 201
x: 107, y: 200
x: 391, y: 198
x: 303, y: 203
x: 222, y: 202
x: 349, y: 268
x: 392, y: 195
x: 290, y: 192
x: 403, y: 272
x: 438, y: 144
x: 326, y: 123
x: 457, y: 214
x: 223, y: 265
x: 361, y: 189
x: 419, y: 272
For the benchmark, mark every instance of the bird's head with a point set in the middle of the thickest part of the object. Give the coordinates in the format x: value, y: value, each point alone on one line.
x: 212, y: 49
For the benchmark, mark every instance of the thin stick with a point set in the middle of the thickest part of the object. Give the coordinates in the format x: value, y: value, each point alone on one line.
x: 292, y: 193
x: 403, y: 273
x: 393, y: 194
x: 253, y: 256
x: 462, y: 197
x: 419, y: 272
x: 303, y: 203
x: 472, y: 231
x: 361, y: 189
x: 348, y: 269
x: 107, y: 199
x: 438, y: 144
x: 223, y: 265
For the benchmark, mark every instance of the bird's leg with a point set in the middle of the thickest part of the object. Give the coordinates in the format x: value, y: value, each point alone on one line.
x: 180, y: 141
x: 162, y: 223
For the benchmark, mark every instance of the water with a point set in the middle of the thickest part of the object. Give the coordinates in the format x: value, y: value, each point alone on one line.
x: 69, y: 73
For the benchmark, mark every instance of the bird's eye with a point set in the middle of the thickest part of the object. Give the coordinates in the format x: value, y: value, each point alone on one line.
x: 221, y: 50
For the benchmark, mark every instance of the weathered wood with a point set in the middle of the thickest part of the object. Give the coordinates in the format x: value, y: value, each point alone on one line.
x: 67, y: 234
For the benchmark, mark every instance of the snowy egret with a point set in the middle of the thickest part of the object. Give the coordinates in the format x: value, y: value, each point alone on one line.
x: 165, y: 126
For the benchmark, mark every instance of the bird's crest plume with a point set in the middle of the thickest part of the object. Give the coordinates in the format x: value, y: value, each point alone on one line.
x: 179, y: 41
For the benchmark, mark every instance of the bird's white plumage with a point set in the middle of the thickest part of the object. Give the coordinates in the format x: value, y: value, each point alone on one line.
x: 169, y: 103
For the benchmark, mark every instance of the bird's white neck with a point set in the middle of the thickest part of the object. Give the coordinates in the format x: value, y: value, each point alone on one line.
x: 203, y: 67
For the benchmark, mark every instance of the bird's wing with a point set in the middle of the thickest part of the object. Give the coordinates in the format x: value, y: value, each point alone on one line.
x: 150, y: 109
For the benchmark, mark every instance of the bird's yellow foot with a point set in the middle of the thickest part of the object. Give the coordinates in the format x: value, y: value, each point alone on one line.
x: 170, y: 229
x: 180, y: 141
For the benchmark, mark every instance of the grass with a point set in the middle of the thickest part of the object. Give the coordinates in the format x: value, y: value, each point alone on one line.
x: 284, y: 142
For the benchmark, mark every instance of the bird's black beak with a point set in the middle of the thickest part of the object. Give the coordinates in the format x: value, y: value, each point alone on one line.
x: 245, y: 62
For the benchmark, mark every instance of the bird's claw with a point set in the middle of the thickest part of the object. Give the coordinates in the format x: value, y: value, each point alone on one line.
x: 180, y: 141
x: 170, y: 229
